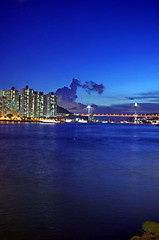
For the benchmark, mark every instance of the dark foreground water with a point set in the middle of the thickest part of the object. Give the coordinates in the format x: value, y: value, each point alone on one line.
x: 77, y: 181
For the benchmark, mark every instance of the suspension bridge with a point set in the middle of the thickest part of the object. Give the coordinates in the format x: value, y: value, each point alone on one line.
x: 135, y: 115
x: 122, y: 115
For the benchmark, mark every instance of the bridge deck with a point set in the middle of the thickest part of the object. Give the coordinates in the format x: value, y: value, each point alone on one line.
x: 122, y: 115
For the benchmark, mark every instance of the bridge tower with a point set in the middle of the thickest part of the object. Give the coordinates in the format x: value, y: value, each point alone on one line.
x: 135, y: 115
x: 90, y: 116
x: 89, y: 109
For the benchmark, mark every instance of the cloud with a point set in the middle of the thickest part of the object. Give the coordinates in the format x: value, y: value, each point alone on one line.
x: 69, y: 94
x: 66, y: 96
x: 92, y: 86
x: 112, y: 109
x: 71, y: 106
x: 150, y: 96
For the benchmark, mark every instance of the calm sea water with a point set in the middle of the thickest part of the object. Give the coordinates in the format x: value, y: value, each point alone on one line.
x: 77, y: 181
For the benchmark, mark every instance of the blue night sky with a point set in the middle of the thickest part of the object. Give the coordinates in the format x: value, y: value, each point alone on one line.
x: 113, y: 43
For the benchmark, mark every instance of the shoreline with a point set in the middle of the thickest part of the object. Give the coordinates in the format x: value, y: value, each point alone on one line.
x: 8, y: 120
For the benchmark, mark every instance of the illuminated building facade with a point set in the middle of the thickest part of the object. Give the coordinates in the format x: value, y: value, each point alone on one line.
x: 9, y: 101
x: 1, y: 96
x: 42, y: 105
x: 29, y: 104
x: 1, y: 102
x: 15, y: 99
x: 51, y: 105
x: 26, y: 102
x: 1, y: 93
x: 37, y: 105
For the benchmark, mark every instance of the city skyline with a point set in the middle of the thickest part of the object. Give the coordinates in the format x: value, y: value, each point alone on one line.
x: 46, y: 44
x: 14, y: 101
x: 27, y: 103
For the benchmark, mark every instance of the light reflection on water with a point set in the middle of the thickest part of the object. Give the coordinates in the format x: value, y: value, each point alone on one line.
x: 77, y: 181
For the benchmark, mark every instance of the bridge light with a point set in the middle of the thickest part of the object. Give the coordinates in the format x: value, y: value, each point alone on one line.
x: 89, y: 109
x: 135, y: 116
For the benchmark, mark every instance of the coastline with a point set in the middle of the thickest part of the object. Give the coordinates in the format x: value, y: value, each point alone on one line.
x: 23, y: 120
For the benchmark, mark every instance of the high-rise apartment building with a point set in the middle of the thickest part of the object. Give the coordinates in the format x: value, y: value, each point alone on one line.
x: 42, y: 105
x: 1, y: 95
x: 14, y: 99
x: 9, y: 101
x: 26, y: 102
x: 51, y: 105
x: 36, y: 104
x: 32, y: 104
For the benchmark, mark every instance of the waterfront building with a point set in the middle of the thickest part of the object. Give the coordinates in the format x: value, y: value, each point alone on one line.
x: 29, y: 104
x: 45, y: 105
x: 22, y: 101
x: 14, y: 99
x: 51, y: 102
x: 3, y: 105
x: 1, y: 93
x: 0, y: 107
x: 41, y: 104
x: 26, y: 102
x: 9, y: 101
x: 36, y: 104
